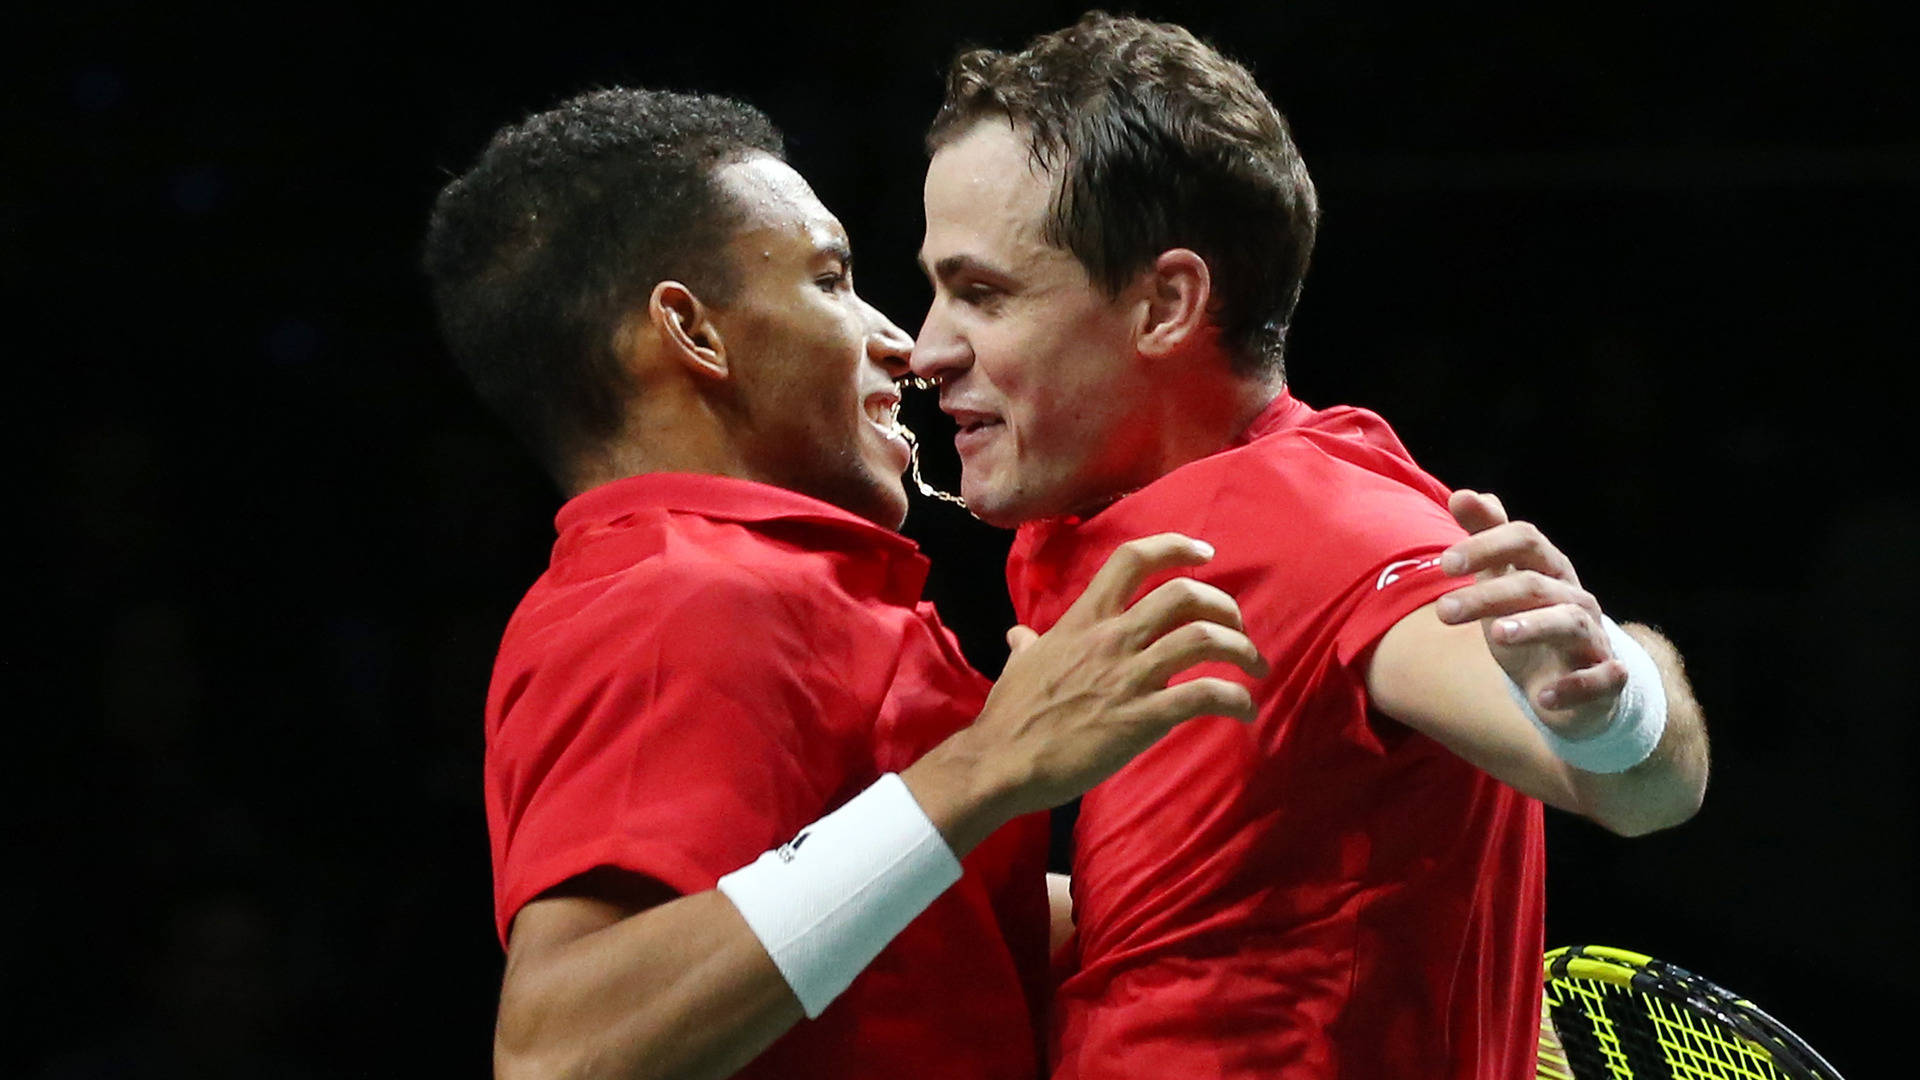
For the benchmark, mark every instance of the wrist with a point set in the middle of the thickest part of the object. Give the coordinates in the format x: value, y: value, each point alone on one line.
x: 963, y: 791
x: 1633, y: 726
x: 1580, y: 725
x: 825, y: 903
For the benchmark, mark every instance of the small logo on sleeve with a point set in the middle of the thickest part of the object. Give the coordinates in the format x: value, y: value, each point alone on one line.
x: 1397, y: 570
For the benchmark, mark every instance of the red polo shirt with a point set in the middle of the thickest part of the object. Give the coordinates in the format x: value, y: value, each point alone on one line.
x: 711, y: 664
x: 1325, y: 893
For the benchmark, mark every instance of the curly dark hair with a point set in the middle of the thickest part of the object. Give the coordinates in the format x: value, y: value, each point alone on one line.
x: 540, y: 250
x: 1158, y: 141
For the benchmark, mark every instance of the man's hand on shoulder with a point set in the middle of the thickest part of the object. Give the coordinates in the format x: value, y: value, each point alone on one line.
x: 1545, y: 631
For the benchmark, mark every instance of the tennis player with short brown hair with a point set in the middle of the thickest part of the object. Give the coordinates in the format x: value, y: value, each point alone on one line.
x: 1117, y: 226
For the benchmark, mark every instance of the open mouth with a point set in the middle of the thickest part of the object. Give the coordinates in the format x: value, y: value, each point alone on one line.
x: 883, y: 410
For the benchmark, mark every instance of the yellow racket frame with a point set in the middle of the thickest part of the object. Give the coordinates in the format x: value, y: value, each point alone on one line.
x: 1604, y: 983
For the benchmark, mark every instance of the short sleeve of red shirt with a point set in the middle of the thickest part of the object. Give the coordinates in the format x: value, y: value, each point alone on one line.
x: 1329, y: 528
x: 672, y: 702
x: 1374, y: 525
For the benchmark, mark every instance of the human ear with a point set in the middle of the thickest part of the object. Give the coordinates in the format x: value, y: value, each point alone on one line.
x: 687, y: 330
x: 1177, y: 291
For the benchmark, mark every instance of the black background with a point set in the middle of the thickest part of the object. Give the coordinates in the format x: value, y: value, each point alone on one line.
x: 1645, y: 273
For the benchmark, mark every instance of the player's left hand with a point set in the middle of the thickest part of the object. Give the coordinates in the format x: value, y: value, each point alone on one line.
x: 1542, y: 627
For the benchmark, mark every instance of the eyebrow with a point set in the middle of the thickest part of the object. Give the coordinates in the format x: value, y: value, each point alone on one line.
x: 954, y: 265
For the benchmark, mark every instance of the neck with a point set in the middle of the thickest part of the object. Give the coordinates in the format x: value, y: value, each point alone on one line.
x: 1203, y: 418
x: 1209, y: 416
x: 663, y: 436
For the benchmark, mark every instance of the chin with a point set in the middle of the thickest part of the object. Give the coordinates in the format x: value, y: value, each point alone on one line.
x: 993, y: 507
x: 887, y: 505
x: 874, y: 496
x: 1011, y: 506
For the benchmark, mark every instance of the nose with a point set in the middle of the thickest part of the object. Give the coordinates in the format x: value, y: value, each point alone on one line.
x: 888, y: 345
x: 939, y: 352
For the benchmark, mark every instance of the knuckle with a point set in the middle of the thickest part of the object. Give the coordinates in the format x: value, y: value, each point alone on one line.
x: 1200, y: 691
x: 1191, y: 639
x: 1110, y: 637
x: 1223, y: 611
x: 1228, y: 697
x: 1186, y: 590
x: 1215, y: 637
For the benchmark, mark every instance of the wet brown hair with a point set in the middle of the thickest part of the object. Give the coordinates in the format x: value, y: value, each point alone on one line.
x: 1157, y: 141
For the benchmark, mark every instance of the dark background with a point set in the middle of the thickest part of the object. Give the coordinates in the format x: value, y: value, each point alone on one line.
x: 1647, y: 274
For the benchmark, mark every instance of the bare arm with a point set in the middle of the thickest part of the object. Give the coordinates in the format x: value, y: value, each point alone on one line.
x: 600, y: 982
x: 614, y: 977
x: 1442, y: 670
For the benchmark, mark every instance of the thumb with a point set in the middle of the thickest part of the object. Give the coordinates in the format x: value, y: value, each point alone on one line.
x: 1020, y: 638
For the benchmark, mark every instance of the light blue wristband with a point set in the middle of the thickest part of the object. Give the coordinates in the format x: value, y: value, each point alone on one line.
x: 1639, y: 716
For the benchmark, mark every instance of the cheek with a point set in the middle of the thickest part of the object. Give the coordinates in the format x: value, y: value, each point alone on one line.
x: 821, y: 391
x: 1024, y: 370
x: 1063, y: 400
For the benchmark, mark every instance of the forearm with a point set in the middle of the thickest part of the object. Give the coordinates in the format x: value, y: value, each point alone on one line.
x: 1443, y: 681
x: 682, y: 990
x: 1667, y: 788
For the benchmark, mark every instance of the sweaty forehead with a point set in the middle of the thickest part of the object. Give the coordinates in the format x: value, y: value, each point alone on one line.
x: 771, y: 196
x: 984, y: 188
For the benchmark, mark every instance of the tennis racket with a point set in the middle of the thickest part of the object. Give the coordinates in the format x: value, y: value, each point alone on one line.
x: 1611, y: 1014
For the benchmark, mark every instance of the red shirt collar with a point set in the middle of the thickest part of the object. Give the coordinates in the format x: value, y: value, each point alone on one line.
x: 1283, y: 412
x: 723, y: 498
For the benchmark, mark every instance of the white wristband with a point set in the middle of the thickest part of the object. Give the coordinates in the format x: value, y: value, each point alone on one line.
x: 1639, y: 716
x: 826, y: 902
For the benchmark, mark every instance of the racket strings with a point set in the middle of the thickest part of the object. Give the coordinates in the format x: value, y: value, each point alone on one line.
x: 1704, y: 1048
x: 1611, y: 1032
x: 1581, y: 1016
